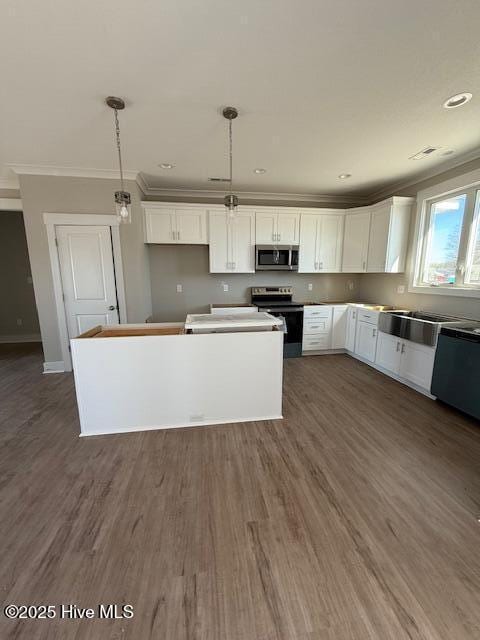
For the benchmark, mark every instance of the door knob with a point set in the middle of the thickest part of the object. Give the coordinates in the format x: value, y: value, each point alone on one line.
x: 111, y: 308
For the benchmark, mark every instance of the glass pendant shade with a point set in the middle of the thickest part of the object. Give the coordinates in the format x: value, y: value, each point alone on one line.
x: 231, y: 202
x: 123, y: 205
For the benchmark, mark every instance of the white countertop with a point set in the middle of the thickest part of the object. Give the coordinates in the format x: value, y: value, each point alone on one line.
x: 225, y: 322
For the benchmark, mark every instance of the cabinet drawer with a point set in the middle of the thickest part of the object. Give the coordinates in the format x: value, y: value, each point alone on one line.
x: 316, y: 342
x: 316, y: 325
x: 317, y: 312
x: 368, y: 316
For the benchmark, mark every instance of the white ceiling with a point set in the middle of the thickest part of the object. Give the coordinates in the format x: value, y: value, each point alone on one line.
x: 323, y: 87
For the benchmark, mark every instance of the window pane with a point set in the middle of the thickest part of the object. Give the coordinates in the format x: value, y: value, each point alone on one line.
x: 472, y: 275
x: 446, y: 219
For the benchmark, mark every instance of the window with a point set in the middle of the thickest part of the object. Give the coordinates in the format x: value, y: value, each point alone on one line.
x: 449, y: 247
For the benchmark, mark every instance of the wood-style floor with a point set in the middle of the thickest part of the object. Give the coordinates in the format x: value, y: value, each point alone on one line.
x: 354, y: 518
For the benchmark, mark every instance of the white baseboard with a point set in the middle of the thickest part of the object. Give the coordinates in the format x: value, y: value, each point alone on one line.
x: 54, y: 367
x: 392, y: 375
x: 181, y: 425
x: 27, y: 337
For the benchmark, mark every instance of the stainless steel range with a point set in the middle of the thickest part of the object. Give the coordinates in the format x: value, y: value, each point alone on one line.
x: 278, y: 301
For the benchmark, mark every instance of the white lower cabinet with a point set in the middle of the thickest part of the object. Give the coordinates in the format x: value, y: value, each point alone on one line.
x: 339, y: 327
x: 416, y: 364
x: 366, y: 340
x: 317, y: 328
x: 406, y: 359
x: 388, y: 352
x: 351, y: 329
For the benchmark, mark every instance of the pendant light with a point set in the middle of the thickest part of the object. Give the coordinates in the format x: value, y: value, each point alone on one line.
x: 123, y: 200
x: 230, y: 200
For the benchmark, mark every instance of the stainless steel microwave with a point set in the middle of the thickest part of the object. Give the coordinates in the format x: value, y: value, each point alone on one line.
x: 281, y: 257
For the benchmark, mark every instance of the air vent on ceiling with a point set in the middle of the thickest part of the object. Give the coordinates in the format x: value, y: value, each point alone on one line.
x: 424, y: 153
x: 218, y: 180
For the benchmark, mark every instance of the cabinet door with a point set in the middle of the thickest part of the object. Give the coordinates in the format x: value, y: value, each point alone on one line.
x: 339, y: 327
x: 308, y: 258
x: 191, y: 226
x: 366, y: 341
x: 330, y: 243
x: 219, y: 249
x: 160, y: 226
x: 243, y: 242
x: 378, y: 241
x: 355, y: 242
x: 351, y: 329
x: 288, y: 228
x: 416, y: 364
x: 388, y: 352
x: 266, y: 227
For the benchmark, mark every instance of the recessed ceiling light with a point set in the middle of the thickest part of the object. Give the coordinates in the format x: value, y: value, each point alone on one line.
x: 259, y: 170
x: 457, y: 100
x: 344, y: 176
x: 166, y: 165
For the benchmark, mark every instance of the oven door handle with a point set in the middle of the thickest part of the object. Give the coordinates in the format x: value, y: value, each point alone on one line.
x: 282, y: 309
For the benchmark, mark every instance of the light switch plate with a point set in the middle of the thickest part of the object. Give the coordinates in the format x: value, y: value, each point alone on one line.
x: 310, y: 286
x: 225, y: 286
x: 401, y: 288
x: 179, y: 288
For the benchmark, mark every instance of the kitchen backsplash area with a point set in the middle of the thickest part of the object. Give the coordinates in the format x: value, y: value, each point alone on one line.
x: 188, y: 267
x: 386, y: 288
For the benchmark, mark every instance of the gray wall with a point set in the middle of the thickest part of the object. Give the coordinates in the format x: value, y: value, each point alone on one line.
x: 53, y: 194
x: 188, y: 266
x: 16, y: 293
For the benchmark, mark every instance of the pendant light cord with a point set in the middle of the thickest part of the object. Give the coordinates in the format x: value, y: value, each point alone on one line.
x: 230, y: 136
x: 117, y: 134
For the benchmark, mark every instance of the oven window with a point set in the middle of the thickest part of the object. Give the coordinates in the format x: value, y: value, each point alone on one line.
x: 272, y: 257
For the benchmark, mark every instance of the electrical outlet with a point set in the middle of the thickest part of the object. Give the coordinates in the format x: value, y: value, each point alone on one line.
x: 351, y: 285
x: 30, y: 280
x: 310, y: 286
x: 179, y: 288
x: 19, y: 322
x: 401, y: 288
x: 225, y: 287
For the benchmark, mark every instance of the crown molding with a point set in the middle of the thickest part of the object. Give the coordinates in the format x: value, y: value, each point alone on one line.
x: 389, y: 190
x: 250, y: 195
x: 70, y: 172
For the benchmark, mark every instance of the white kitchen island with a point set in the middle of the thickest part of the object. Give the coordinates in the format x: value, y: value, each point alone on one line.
x: 159, y: 376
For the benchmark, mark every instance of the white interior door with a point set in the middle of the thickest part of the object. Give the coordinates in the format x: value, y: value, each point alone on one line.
x: 88, y: 277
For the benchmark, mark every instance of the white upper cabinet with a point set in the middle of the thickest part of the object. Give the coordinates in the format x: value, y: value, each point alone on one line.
x: 175, y: 225
x: 355, y: 241
x: 321, y: 239
x: 232, y: 242
x: 273, y: 227
x: 388, y: 239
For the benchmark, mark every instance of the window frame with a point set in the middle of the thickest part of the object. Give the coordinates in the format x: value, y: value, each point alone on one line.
x: 426, y: 200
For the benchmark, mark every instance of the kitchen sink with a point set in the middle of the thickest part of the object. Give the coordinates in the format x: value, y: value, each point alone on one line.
x: 417, y: 326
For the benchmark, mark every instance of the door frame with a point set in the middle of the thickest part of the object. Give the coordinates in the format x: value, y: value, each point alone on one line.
x: 51, y: 221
